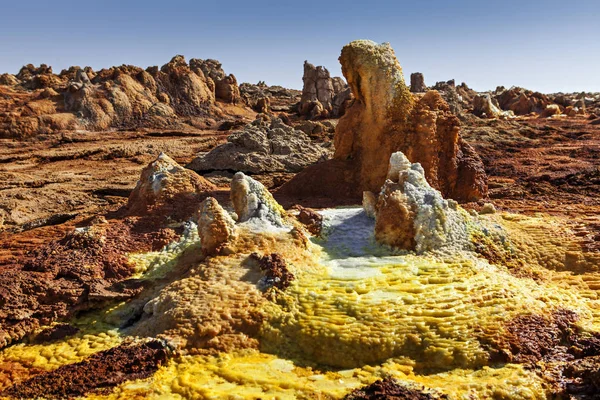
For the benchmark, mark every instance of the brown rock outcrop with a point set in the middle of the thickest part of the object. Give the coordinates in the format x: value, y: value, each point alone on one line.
x: 550, y: 110
x: 385, y: 118
x: 8, y: 80
x: 458, y: 97
x: 319, y: 93
x: 522, y: 101
x: 341, y: 102
x: 38, y: 78
x: 312, y: 220
x: 189, y: 92
x: 417, y: 83
x: 466, y: 94
x: 226, y: 86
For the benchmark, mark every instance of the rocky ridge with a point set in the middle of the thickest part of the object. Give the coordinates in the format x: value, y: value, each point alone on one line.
x: 175, y: 95
x: 265, y: 145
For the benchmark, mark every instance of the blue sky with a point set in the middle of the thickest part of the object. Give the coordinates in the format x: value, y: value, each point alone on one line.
x: 543, y: 45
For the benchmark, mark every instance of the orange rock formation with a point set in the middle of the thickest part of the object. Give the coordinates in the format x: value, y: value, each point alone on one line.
x: 385, y: 118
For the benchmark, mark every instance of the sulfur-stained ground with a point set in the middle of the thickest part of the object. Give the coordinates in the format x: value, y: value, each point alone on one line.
x: 518, y: 321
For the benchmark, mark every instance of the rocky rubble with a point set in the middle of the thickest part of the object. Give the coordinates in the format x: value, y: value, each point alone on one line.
x: 265, y: 99
x: 265, y: 145
x: 382, y: 121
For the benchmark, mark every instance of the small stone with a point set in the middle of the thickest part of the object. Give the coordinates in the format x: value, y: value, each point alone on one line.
x: 488, y: 208
x: 251, y: 200
x: 215, y: 226
x: 369, y: 204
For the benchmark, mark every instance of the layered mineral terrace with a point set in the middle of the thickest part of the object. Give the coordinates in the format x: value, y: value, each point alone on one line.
x: 278, y: 311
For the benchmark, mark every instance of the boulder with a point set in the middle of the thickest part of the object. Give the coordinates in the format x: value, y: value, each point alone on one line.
x: 563, y: 100
x: 316, y: 130
x: 48, y: 93
x: 571, y: 111
x: 550, y: 111
x: 166, y: 188
x: 262, y: 146
x: 216, y: 228
x: 411, y: 215
x: 488, y: 208
x: 483, y: 106
x: 252, y: 201
x: 417, y: 83
x: 311, y: 219
x: 385, y: 118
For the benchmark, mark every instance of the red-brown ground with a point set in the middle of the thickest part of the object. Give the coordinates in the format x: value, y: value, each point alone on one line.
x: 98, y: 373
x: 50, y: 185
x: 389, y: 389
x: 543, y: 165
x: 83, y: 270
